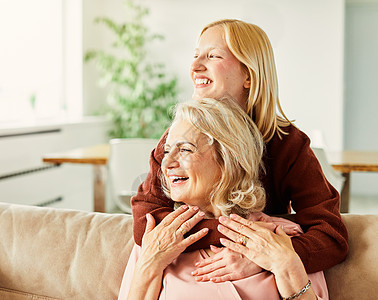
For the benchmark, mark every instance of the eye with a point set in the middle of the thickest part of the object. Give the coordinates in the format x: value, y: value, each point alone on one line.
x: 185, y: 150
x: 166, y: 151
x: 213, y: 55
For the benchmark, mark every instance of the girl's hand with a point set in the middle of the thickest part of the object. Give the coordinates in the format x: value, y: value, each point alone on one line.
x: 270, y: 250
x: 225, y: 265
x: 165, y: 242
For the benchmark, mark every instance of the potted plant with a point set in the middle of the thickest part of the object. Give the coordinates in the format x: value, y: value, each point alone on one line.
x: 140, y: 95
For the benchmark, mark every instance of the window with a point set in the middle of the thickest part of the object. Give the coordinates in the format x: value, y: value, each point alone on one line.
x: 33, y: 64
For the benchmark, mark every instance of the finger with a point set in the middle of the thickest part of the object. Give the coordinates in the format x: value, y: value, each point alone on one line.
x: 194, y: 237
x: 235, y: 236
x: 255, y: 226
x: 190, y: 223
x: 235, y: 225
x: 215, y: 265
x: 234, y: 246
x: 216, y: 249
x: 186, y: 220
x: 173, y: 215
x: 224, y: 278
x: 150, y: 223
x: 267, y: 225
x: 280, y: 231
x: 212, y: 275
x: 261, y: 219
x: 208, y: 261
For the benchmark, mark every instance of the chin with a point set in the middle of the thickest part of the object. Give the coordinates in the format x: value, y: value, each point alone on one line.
x: 196, y: 97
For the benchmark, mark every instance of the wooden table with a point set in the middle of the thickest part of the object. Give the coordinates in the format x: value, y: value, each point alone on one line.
x: 347, y: 162
x: 344, y: 161
x: 94, y: 155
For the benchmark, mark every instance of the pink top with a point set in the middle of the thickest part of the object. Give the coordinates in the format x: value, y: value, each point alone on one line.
x: 178, y: 283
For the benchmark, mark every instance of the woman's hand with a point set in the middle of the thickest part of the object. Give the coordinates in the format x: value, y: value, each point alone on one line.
x: 165, y: 242
x: 269, y: 250
x: 225, y: 265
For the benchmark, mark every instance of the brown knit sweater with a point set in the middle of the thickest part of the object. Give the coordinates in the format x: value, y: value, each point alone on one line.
x: 292, y: 174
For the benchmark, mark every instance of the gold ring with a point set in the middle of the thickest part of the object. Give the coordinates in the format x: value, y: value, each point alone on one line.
x: 182, y: 231
x: 243, y: 240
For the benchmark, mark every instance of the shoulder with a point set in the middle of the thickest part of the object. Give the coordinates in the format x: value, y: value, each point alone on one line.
x: 293, y: 137
x: 289, y: 144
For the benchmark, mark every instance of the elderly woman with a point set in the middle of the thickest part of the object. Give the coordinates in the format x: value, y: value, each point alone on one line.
x: 213, y: 158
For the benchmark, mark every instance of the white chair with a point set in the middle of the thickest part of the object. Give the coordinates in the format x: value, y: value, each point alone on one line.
x: 128, y: 166
x: 333, y: 176
x: 319, y: 146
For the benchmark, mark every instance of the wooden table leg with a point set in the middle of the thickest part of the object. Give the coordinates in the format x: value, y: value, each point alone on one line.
x: 345, y: 194
x: 99, y: 172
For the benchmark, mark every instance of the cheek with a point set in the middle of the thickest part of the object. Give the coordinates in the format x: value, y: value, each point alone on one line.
x: 163, y: 166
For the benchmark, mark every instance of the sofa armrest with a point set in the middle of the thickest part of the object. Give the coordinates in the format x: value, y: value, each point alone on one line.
x: 63, y: 253
x: 357, y: 276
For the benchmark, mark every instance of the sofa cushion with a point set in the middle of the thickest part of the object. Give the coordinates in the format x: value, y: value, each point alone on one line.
x: 61, y: 253
x: 6, y: 294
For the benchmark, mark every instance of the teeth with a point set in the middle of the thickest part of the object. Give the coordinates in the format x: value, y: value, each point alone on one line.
x: 176, y: 178
x: 202, y: 81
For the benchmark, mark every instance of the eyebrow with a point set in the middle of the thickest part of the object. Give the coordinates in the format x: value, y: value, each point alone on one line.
x: 210, y: 48
x: 181, y: 143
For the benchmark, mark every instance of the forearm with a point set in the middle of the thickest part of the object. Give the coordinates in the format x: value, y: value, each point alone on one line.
x: 291, y: 278
x: 146, y: 283
x: 315, y: 201
x: 323, y: 245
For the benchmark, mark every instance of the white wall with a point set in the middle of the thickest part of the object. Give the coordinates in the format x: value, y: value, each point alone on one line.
x: 307, y: 37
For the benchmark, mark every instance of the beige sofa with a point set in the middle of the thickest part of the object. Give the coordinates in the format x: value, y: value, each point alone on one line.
x: 50, y: 253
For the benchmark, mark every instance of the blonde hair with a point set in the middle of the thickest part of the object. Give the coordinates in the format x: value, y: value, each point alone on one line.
x: 251, y: 46
x: 238, y: 149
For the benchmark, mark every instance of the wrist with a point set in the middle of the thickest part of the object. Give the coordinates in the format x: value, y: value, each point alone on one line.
x: 288, y: 265
x: 291, y: 276
x: 148, y: 267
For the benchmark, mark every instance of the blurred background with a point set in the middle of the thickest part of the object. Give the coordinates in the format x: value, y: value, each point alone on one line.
x: 326, y: 54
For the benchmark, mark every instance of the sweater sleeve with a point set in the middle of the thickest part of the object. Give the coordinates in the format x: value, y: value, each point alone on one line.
x: 317, y: 207
x: 151, y: 199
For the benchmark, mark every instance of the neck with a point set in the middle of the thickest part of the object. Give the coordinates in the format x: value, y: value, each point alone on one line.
x: 211, y: 212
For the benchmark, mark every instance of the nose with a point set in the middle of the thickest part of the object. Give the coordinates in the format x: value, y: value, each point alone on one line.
x: 198, y: 64
x: 170, y: 160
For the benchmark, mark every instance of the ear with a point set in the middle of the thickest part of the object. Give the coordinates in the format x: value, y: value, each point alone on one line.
x: 247, y: 82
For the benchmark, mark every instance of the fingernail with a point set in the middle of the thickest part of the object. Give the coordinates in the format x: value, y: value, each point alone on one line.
x: 223, y: 241
x: 197, y: 264
x: 233, y: 216
x: 184, y: 206
x: 201, y: 213
x: 198, y: 278
x: 205, y: 230
x: 194, y: 273
x: 220, y: 228
x: 195, y: 208
x: 222, y: 219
